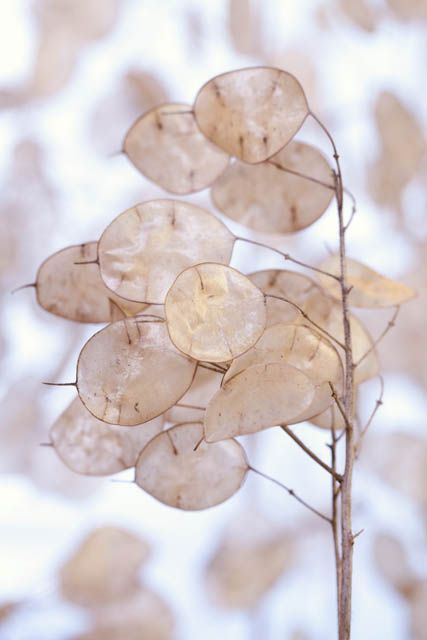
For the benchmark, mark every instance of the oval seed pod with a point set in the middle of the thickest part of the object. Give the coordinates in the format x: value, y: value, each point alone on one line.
x: 76, y: 291
x: 167, y: 146
x: 103, y: 568
x: 94, y: 448
x: 214, y: 313
x: 369, y: 288
x: 304, y: 349
x: 182, y: 471
x: 361, y: 342
x: 144, y: 249
x: 265, y: 197
x: 142, y: 615
x: 251, y: 113
x: 259, y: 397
x: 130, y: 372
x: 296, y: 287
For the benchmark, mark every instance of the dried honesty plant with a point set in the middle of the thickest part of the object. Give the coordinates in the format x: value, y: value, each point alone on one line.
x: 195, y: 353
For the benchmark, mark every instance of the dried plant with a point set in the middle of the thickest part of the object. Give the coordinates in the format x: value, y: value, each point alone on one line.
x: 219, y: 352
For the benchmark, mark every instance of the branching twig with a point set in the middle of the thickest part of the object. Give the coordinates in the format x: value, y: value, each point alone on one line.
x: 339, y: 405
x: 391, y: 323
x: 378, y: 404
x: 291, y: 493
x: 335, y: 522
x: 311, y: 453
x: 286, y: 256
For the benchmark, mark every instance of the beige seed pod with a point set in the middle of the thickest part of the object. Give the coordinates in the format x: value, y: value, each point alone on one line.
x: 244, y: 568
x: 142, y: 615
x: 92, y: 447
x: 418, y: 611
x: 214, y: 313
x: 361, y: 342
x: 205, y: 384
x: 407, y: 10
x: 76, y: 291
x: 304, y: 349
x: 296, y: 287
x: 361, y: 14
x: 167, y: 146
x: 251, y: 113
x: 130, y: 372
x: 181, y: 470
x: 144, y: 249
x: 267, y: 198
x: 259, y: 397
x: 369, y: 288
x: 103, y: 568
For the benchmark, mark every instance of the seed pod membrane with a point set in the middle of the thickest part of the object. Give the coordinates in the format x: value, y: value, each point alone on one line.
x: 369, y: 288
x: 259, y: 397
x: 76, y: 291
x: 92, y: 447
x: 251, y: 113
x: 130, y: 372
x: 205, y: 384
x: 171, y: 470
x: 167, y: 146
x: 144, y: 249
x: 297, y: 288
x: 265, y: 197
x: 103, y: 568
x: 302, y: 348
x: 214, y: 313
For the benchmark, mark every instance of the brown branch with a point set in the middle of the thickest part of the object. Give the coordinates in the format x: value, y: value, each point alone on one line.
x: 339, y: 405
x: 286, y: 256
x: 291, y: 493
x: 190, y: 406
x: 311, y: 453
x: 378, y: 404
x: 335, y: 522
x: 307, y: 317
x: 391, y: 323
x: 344, y: 613
x: 300, y: 175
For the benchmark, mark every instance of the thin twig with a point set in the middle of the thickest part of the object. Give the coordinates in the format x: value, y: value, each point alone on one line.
x: 311, y: 453
x: 190, y: 406
x: 300, y: 175
x: 307, y: 317
x: 286, y: 256
x: 291, y: 493
x: 211, y: 367
x: 335, y: 523
x: 339, y: 405
x: 391, y: 323
x: 378, y: 404
x: 24, y: 286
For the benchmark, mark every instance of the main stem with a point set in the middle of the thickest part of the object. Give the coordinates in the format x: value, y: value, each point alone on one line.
x: 345, y: 571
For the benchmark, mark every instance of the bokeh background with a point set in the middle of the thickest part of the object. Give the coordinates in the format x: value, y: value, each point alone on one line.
x: 74, y: 75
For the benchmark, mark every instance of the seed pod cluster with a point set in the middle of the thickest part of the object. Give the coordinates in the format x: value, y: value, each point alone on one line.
x: 194, y: 352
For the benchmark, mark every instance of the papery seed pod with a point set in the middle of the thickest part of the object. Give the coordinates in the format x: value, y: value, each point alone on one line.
x: 368, y: 288
x: 182, y: 471
x: 251, y: 113
x: 266, y: 197
x: 76, y: 291
x: 130, y: 372
x: 94, y: 448
x: 144, y: 249
x: 214, y: 313
x: 259, y: 397
x: 167, y: 146
x: 103, y: 568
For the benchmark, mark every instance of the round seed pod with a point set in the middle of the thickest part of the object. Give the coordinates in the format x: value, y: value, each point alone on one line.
x: 182, y: 471
x: 144, y: 249
x: 214, y: 313
x: 369, y: 288
x: 268, y: 198
x: 103, y: 568
x: 251, y: 113
x: 259, y: 397
x: 167, y: 146
x: 94, y: 448
x: 130, y: 372
x: 76, y: 291
x: 303, y: 348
